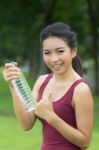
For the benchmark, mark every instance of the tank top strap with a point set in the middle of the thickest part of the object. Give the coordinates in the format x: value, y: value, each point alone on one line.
x: 72, y: 88
x: 77, y: 82
x: 43, y: 85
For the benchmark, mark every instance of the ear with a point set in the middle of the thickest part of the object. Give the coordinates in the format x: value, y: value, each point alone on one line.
x: 74, y: 52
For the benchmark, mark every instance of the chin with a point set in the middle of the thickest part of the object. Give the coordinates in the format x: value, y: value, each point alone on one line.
x: 58, y: 72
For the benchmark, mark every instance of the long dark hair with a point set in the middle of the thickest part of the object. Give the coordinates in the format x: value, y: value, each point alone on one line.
x: 63, y: 31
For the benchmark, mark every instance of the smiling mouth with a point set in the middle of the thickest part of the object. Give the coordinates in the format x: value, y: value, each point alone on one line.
x: 57, y: 66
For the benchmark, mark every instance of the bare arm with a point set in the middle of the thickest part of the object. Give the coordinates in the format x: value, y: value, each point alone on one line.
x: 26, y: 119
x: 83, y: 105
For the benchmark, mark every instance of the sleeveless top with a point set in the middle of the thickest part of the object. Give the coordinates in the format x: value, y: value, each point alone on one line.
x: 51, y: 138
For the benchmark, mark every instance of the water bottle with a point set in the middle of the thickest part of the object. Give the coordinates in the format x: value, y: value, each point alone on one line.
x: 24, y: 92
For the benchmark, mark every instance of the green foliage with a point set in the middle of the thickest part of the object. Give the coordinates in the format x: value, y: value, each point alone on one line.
x: 22, y: 20
x: 19, y: 21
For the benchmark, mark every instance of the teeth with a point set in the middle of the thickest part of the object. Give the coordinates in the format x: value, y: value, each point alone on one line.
x: 56, y: 66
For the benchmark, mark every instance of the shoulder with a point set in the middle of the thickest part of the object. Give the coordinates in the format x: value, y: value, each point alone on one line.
x: 40, y: 80
x: 37, y: 84
x: 83, y: 106
x: 82, y: 88
x: 82, y: 94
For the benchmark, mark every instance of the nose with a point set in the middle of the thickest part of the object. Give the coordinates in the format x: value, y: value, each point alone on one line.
x: 54, y: 58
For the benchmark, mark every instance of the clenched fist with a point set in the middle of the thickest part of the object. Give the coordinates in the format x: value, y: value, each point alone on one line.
x: 11, y: 72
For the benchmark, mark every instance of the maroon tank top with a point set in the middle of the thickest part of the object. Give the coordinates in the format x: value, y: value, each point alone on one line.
x: 51, y: 138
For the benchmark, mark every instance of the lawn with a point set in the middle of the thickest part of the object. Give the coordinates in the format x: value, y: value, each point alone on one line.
x: 95, y: 138
x: 12, y: 137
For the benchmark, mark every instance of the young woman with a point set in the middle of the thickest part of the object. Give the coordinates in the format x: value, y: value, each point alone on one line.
x: 64, y: 100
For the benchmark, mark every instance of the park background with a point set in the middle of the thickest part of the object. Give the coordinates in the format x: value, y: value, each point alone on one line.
x: 20, y: 24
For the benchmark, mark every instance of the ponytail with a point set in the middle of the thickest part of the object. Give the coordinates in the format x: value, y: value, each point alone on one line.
x: 77, y: 66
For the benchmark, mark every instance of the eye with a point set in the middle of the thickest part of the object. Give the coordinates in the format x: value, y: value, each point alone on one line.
x: 46, y: 52
x: 60, y: 51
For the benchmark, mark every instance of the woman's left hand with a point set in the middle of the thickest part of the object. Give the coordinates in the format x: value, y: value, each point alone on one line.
x: 44, y: 108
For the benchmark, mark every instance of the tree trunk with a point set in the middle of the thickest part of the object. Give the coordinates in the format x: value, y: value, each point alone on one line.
x: 33, y: 64
x: 48, y: 19
x: 94, y: 31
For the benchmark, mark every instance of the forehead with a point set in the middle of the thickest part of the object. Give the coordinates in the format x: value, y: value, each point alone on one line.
x: 53, y: 42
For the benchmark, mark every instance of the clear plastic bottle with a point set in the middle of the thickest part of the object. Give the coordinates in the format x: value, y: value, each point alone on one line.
x: 24, y: 92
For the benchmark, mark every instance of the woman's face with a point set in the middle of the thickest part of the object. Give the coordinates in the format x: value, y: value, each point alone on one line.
x: 57, y: 55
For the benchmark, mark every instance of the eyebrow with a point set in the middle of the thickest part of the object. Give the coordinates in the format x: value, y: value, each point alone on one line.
x: 55, y: 49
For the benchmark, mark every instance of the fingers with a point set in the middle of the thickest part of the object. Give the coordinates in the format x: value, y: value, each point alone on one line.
x: 7, y: 65
x: 11, y: 72
x: 48, y: 97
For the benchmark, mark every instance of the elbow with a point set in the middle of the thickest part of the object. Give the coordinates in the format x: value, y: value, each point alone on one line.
x: 26, y: 128
x: 85, y: 144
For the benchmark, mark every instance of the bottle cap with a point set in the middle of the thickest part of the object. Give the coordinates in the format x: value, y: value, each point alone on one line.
x: 14, y: 63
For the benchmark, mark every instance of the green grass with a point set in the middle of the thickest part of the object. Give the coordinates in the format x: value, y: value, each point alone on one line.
x: 95, y: 138
x: 12, y: 137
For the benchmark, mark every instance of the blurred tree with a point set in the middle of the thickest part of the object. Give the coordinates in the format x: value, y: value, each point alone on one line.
x: 47, y: 19
x: 19, y: 28
x: 22, y: 20
x: 83, y: 18
x: 93, y: 8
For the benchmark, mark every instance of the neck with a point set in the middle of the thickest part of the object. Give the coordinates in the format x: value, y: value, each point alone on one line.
x: 70, y: 75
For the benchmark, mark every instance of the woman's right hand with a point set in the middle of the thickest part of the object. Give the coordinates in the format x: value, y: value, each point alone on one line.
x: 11, y: 72
x: 26, y: 119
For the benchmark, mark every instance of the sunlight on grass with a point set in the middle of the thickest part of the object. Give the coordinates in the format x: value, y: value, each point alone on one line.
x: 95, y: 142
x: 12, y: 137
